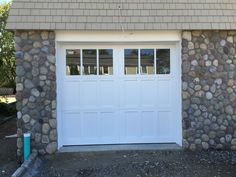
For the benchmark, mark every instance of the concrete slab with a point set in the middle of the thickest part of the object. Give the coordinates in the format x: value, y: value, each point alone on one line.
x: 120, y: 147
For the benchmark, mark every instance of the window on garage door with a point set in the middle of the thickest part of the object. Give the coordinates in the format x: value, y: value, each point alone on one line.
x: 73, y: 62
x: 89, y: 62
x: 146, y: 61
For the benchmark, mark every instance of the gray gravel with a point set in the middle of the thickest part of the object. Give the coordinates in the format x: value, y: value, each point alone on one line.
x: 140, y: 164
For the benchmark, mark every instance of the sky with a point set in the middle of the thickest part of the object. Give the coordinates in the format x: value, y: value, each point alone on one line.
x: 1, y: 1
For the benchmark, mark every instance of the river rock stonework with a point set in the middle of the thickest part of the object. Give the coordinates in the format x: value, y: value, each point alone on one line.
x: 36, y: 90
x: 209, y: 89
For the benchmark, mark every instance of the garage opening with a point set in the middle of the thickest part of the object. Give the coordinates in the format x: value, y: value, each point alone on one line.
x: 119, y: 94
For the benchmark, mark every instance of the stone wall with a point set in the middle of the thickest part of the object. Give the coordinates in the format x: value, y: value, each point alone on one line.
x: 36, y: 90
x: 209, y: 89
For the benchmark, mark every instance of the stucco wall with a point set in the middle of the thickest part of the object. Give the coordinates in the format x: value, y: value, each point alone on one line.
x: 209, y: 89
x: 36, y: 89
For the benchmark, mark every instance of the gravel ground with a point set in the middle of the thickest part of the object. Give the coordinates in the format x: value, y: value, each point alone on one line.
x: 140, y: 164
x: 8, y: 161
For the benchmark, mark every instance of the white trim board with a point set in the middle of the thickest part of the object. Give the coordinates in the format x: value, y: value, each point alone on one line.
x: 117, y: 37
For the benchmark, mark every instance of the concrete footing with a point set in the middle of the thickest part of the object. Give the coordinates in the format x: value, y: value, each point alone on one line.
x: 120, y: 147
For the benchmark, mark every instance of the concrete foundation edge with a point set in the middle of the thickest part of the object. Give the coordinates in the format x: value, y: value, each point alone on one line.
x: 27, y: 164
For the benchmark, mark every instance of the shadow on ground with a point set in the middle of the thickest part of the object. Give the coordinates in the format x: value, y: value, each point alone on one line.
x: 140, y: 164
x: 8, y: 160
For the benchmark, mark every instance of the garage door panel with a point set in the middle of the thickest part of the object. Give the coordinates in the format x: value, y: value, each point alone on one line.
x: 107, y: 93
x: 89, y: 94
x: 72, y: 127
x: 90, y: 125
x: 148, y: 93
x: 130, y: 94
x: 164, y: 93
x: 165, y: 122
x: 149, y: 124
x: 108, y: 125
x: 139, y: 127
x: 70, y: 96
x: 131, y: 122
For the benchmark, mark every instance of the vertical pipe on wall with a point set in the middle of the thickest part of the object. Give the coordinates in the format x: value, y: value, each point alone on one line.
x: 26, y: 146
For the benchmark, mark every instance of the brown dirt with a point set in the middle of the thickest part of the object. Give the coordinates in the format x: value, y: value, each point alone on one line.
x: 8, y: 160
x: 8, y: 128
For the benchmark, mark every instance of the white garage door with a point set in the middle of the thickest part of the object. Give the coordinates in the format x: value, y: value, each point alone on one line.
x: 119, y: 94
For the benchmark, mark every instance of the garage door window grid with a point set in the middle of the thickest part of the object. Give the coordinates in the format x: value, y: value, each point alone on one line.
x: 136, y: 61
x: 147, y: 61
x: 86, y: 61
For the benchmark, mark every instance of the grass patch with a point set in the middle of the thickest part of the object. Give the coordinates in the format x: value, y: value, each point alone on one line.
x: 8, y: 99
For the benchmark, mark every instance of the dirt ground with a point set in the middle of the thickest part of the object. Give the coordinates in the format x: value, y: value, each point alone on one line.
x: 8, y: 162
x: 140, y: 164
